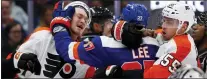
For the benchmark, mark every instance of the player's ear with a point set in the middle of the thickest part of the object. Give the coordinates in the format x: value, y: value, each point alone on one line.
x: 183, y: 28
x: 96, y: 25
x: 185, y: 25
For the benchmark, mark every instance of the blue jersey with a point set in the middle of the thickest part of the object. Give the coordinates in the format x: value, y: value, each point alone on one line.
x: 103, y: 51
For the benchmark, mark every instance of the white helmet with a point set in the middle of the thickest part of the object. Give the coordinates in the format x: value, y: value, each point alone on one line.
x: 83, y: 5
x: 180, y: 11
x: 187, y: 71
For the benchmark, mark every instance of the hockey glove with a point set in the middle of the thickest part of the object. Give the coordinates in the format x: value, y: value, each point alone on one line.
x: 61, y: 18
x: 28, y: 61
x: 130, y: 34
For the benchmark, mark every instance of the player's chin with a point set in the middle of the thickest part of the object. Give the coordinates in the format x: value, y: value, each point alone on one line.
x: 79, y: 31
x: 166, y: 38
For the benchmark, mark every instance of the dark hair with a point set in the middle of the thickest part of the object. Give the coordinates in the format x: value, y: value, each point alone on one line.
x: 186, y: 22
x: 10, y: 26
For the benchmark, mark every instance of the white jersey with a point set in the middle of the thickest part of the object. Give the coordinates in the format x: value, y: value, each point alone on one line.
x: 42, y: 44
x: 183, y: 46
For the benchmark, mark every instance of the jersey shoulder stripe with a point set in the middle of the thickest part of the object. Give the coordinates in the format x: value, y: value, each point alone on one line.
x: 110, y: 42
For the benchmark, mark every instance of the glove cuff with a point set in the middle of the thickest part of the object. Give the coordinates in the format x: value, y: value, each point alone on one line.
x: 117, y: 30
x: 60, y: 20
x: 110, y: 70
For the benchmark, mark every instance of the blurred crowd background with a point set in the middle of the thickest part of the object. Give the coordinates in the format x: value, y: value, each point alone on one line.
x: 19, y: 18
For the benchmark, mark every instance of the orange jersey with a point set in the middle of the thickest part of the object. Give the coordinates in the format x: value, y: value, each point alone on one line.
x: 179, y: 50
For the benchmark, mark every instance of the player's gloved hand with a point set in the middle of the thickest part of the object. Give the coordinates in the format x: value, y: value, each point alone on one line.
x: 130, y: 34
x: 61, y: 18
x: 28, y: 61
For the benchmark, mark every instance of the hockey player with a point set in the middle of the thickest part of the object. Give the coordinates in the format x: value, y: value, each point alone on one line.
x: 101, y: 17
x: 101, y: 23
x: 180, y: 47
x: 38, y: 53
x: 103, y: 51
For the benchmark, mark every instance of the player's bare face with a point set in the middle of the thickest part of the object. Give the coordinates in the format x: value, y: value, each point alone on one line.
x: 79, y: 21
x: 169, y: 27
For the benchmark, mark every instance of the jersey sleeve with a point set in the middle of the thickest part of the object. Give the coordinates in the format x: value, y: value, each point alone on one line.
x: 30, y: 46
x: 95, y: 53
x: 162, y: 65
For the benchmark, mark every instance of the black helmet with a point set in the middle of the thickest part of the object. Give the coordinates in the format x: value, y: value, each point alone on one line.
x: 101, y: 14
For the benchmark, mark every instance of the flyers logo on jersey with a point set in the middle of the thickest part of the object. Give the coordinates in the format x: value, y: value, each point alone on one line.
x: 89, y: 46
x: 55, y: 64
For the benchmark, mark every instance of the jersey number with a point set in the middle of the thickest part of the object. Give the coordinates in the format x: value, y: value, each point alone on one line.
x: 166, y: 61
x: 136, y: 65
x: 142, y: 52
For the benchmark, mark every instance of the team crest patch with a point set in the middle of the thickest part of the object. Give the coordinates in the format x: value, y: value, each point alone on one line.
x: 17, y: 55
x: 88, y: 46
